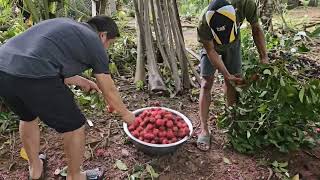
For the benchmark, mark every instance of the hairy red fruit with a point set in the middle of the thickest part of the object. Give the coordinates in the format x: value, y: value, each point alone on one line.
x: 169, y: 124
x: 160, y: 122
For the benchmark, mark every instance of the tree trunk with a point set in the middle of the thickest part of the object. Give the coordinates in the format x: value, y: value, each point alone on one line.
x: 293, y: 4
x: 140, y: 73
x: 265, y: 11
x: 155, y: 81
x: 176, y: 9
x: 112, y: 7
x: 180, y: 49
x: 94, y: 8
x: 166, y: 53
x: 103, y: 7
x: 168, y: 37
x: 313, y: 3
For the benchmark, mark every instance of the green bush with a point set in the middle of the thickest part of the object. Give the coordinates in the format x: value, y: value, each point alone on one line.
x: 275, y: 110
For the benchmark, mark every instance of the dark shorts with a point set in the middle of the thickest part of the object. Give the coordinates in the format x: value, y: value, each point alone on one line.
x: 231, y: 57
x: 49, y: 99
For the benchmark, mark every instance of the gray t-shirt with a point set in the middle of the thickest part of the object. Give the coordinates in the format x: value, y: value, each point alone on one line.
x: 58, y: 47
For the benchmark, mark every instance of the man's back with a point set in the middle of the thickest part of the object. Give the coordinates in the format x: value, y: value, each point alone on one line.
x: 56, y: 47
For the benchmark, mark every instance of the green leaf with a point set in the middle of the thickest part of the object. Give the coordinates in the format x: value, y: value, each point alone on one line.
x: 262, y: 108
x: 282, y: 81
x: 135, y: 176
x: 238, y: 89
x: 316, y: 32
x: 248, y: 134
x: 226, y: 160
x: 275, y: 164
x: 267, y: 71
x: 152, y: 171
x: 120, y: 165
x: 263, y: 93
x: 302, y: 48
x: 314, y: 96
x: 275, y: 70
x: 63, y: 171
x: 308, y: 100
x: 283, y: 169
x: 283, y: 165
x: 301, y: 94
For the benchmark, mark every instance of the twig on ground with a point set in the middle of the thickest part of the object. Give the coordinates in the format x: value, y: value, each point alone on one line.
x: 119, y: 127
x: 311, y: 154
x: 91, y: 150
x: 270, y: 173
x: 193, y: 54
x: 108, y: 132
x: 209, y: 177
x: 12, y: 145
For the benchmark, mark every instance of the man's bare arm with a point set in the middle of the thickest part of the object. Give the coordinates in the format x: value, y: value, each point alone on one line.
x: 112, y: 96
x: 259, y: 40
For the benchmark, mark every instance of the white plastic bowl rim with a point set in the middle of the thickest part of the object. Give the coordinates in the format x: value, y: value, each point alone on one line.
x: 125, y: 127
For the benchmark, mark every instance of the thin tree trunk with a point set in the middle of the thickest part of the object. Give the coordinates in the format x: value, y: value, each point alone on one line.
x: 140, y: 73
x: 102, y: 7
x: 46, y: 9
x: 266, y: 11
x: 180, y: 46
x: 176, y: 9
x: 313, y: 3
x: 94, y: 8
x: 155, y: 81
x: 171, y: 62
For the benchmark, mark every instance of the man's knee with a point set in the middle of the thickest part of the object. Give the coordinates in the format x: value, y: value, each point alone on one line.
x: 207, y: 82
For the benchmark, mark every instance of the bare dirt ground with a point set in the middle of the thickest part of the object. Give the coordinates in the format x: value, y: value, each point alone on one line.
x: 187, y: 163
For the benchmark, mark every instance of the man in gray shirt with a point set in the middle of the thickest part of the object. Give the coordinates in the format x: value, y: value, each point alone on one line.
x: 35, y: 69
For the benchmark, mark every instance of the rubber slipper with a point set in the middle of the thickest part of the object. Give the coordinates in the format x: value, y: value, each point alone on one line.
x: 204, y: 142
x: 43, y: 158
x: 95, y: 174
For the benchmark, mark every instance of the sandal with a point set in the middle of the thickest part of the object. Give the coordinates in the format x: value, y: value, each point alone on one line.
x: 43, y: 158
x: 95, y: 174
x: 204, y: 142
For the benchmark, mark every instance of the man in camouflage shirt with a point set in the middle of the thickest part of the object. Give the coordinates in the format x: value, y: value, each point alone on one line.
x: 219, y: 32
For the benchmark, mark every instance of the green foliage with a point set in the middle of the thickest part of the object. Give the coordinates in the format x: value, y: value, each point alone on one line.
x: 143, y: 172
x: 12, y: 20
x: 280, y: 169
x: 139, y: 85
x: 8, y: 122
x: 276, y: 110
x: 191, y: 8
x: 124, y: 51
x: 90, y: 101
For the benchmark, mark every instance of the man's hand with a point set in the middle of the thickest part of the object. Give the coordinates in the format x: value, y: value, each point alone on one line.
x: 128, y: 117
x: 235, y: 79
x: 113, y: 98
x: 83, y: 83
x: 88, y: 85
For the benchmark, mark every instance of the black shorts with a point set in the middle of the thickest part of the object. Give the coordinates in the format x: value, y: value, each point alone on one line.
x: 49, y: 99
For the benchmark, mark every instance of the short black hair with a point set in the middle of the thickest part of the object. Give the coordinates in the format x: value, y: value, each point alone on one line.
x: 105, y: 24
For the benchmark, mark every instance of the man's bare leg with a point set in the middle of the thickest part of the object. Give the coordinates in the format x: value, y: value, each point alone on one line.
x: 30, y: 137
x: 74, y: 145
x: 204, y: 103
